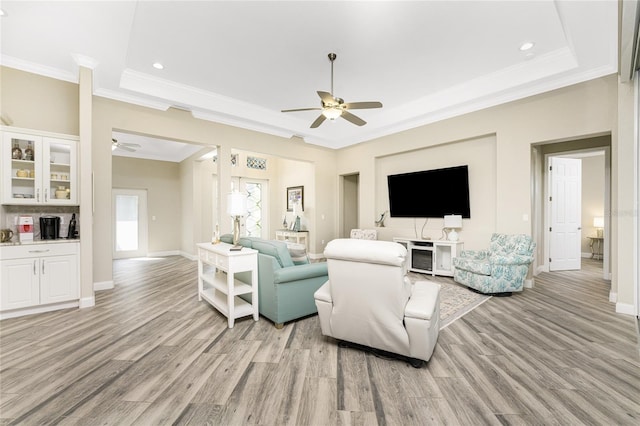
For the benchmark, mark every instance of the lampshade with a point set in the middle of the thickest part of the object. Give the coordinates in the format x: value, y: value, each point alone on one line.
x: 236, y: 204
x: 598, y: 222
x: 332, y: 113
x: 453, y: 221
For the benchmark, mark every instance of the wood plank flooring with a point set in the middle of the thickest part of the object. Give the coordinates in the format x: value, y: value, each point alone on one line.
x: 149, y: 353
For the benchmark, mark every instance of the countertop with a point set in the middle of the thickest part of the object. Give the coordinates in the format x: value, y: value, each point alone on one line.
x: 27, y: 243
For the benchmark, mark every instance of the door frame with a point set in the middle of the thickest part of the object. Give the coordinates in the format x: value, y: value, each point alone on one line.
x: 143, y: 224
x: 606, y: 270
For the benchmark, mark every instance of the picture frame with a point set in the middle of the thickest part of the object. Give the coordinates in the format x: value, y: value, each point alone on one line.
x: 295, y: 194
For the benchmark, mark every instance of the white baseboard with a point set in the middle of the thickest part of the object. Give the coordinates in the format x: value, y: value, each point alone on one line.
x: 625, y: 308
x: 164, y: 253
x: 529, y: 283
x: 87, y: 302
x: 316, y: 256
x: 103, y: 285
x: 37, y: 309
x: 613, y: 296
x: 189, y: 255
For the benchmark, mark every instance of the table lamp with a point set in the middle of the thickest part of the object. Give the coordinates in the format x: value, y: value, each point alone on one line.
x: 451, y: 223
x: 598, y: 223
x: 236, y: 207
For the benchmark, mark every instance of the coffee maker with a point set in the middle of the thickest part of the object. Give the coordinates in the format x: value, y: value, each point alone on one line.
x: 49, y: 227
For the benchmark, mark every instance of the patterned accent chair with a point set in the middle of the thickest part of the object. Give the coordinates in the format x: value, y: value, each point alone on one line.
x: 364, y: 234
x: 499, y: 270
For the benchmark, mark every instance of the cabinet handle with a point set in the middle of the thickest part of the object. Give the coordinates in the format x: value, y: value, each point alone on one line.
x: 46, y: 195
x: 39, y: 251
x: 43, y: 267
x: 34, y: 267
x: 38, y: 195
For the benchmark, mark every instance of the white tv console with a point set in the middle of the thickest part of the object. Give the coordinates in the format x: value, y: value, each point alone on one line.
x: 431, y: 256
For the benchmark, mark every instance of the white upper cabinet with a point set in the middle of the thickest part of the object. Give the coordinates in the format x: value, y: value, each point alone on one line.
x: 39, y: 169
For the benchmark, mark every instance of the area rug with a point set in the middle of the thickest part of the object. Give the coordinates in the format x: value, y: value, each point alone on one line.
x: 455, y: 300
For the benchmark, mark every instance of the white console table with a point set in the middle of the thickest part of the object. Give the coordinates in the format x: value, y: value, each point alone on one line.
x: 217, y: 266
x: 433, y: 257
x: 299, y: 237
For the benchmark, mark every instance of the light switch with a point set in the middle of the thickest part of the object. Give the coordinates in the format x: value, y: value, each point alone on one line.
x: 153, y: 218
x: 525, y: 217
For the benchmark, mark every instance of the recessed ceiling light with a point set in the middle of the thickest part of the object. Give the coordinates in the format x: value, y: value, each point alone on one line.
x: 3, y: 13
x: 158, y: 66
x: 527, y: 45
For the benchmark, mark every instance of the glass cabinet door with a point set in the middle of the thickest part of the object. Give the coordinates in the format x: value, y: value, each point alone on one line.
x: 59, y: 170
x: 20, y: 168
x: 38, y: 170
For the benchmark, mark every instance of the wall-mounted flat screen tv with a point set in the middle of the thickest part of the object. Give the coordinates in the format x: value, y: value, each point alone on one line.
x: 430, y: 193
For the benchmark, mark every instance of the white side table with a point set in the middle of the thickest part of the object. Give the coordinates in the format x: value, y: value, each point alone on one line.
x: 217, y: 266
x: 298, y: 237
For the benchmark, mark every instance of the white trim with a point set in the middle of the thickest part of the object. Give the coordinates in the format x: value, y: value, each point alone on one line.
x: 103, y: 285
x: 529, y: 283
x: 625, y: 308
x: 613, y: 296
x: 87, y: 302
x: 164, y: 253
x: 189, y: 255
x: 37, y: 309
x: 316, y: 256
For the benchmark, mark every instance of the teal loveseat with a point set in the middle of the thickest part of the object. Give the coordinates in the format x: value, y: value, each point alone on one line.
x: 285, y: 288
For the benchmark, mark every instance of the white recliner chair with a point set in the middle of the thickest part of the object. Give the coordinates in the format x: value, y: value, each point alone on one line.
x: 369, y: 301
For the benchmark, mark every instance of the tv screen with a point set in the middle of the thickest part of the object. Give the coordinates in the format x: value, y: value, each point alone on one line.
x: 430, y: 193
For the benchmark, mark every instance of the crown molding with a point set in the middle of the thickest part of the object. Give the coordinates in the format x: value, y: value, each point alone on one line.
x: 21, y: 64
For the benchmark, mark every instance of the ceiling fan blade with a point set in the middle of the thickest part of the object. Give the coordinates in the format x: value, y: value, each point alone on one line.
x: 326, y: 97
x: 318, y: 121
x: 363, y: 105
x: 353, y: 118
x: 300, y: 109
x: 126, y: 148
x: 132, y: 145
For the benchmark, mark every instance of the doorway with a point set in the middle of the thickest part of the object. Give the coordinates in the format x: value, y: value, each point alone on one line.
x: 596, y: 195
x: 349, y: 215
x: 130, y: 228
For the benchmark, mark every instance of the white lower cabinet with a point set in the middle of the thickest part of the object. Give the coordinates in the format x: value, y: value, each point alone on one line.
x: 36, y: 277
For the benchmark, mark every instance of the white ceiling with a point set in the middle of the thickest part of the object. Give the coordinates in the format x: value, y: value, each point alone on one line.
x: 240, y: 63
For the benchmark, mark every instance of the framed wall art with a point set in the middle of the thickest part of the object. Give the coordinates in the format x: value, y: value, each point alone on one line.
x: 295, y: 194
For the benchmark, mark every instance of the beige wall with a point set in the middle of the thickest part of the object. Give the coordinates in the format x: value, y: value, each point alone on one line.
x: 479, y: 154
x: 41, y: 103
x: 592, y: 196
x: 596, y: 107
x: 181, y: 126
x: 576, y: 112
x: 161, y: 180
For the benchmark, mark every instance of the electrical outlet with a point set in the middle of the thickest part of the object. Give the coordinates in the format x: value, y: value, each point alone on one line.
x: 322, y: 242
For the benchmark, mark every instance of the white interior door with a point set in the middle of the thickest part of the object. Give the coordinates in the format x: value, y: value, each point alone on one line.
x: 129, y: 223
x: 565, y: 214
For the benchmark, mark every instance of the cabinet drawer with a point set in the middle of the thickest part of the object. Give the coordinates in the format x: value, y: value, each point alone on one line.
x: 38, y: 250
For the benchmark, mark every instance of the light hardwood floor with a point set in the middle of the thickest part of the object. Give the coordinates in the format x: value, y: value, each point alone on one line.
x: 149, y: 353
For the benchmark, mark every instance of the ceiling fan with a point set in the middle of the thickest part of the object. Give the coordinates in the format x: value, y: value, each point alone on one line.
x: 124, y: 145
x: 333, y: 107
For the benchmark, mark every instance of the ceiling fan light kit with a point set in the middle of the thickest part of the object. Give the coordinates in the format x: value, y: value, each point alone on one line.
x: 333, y: 107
